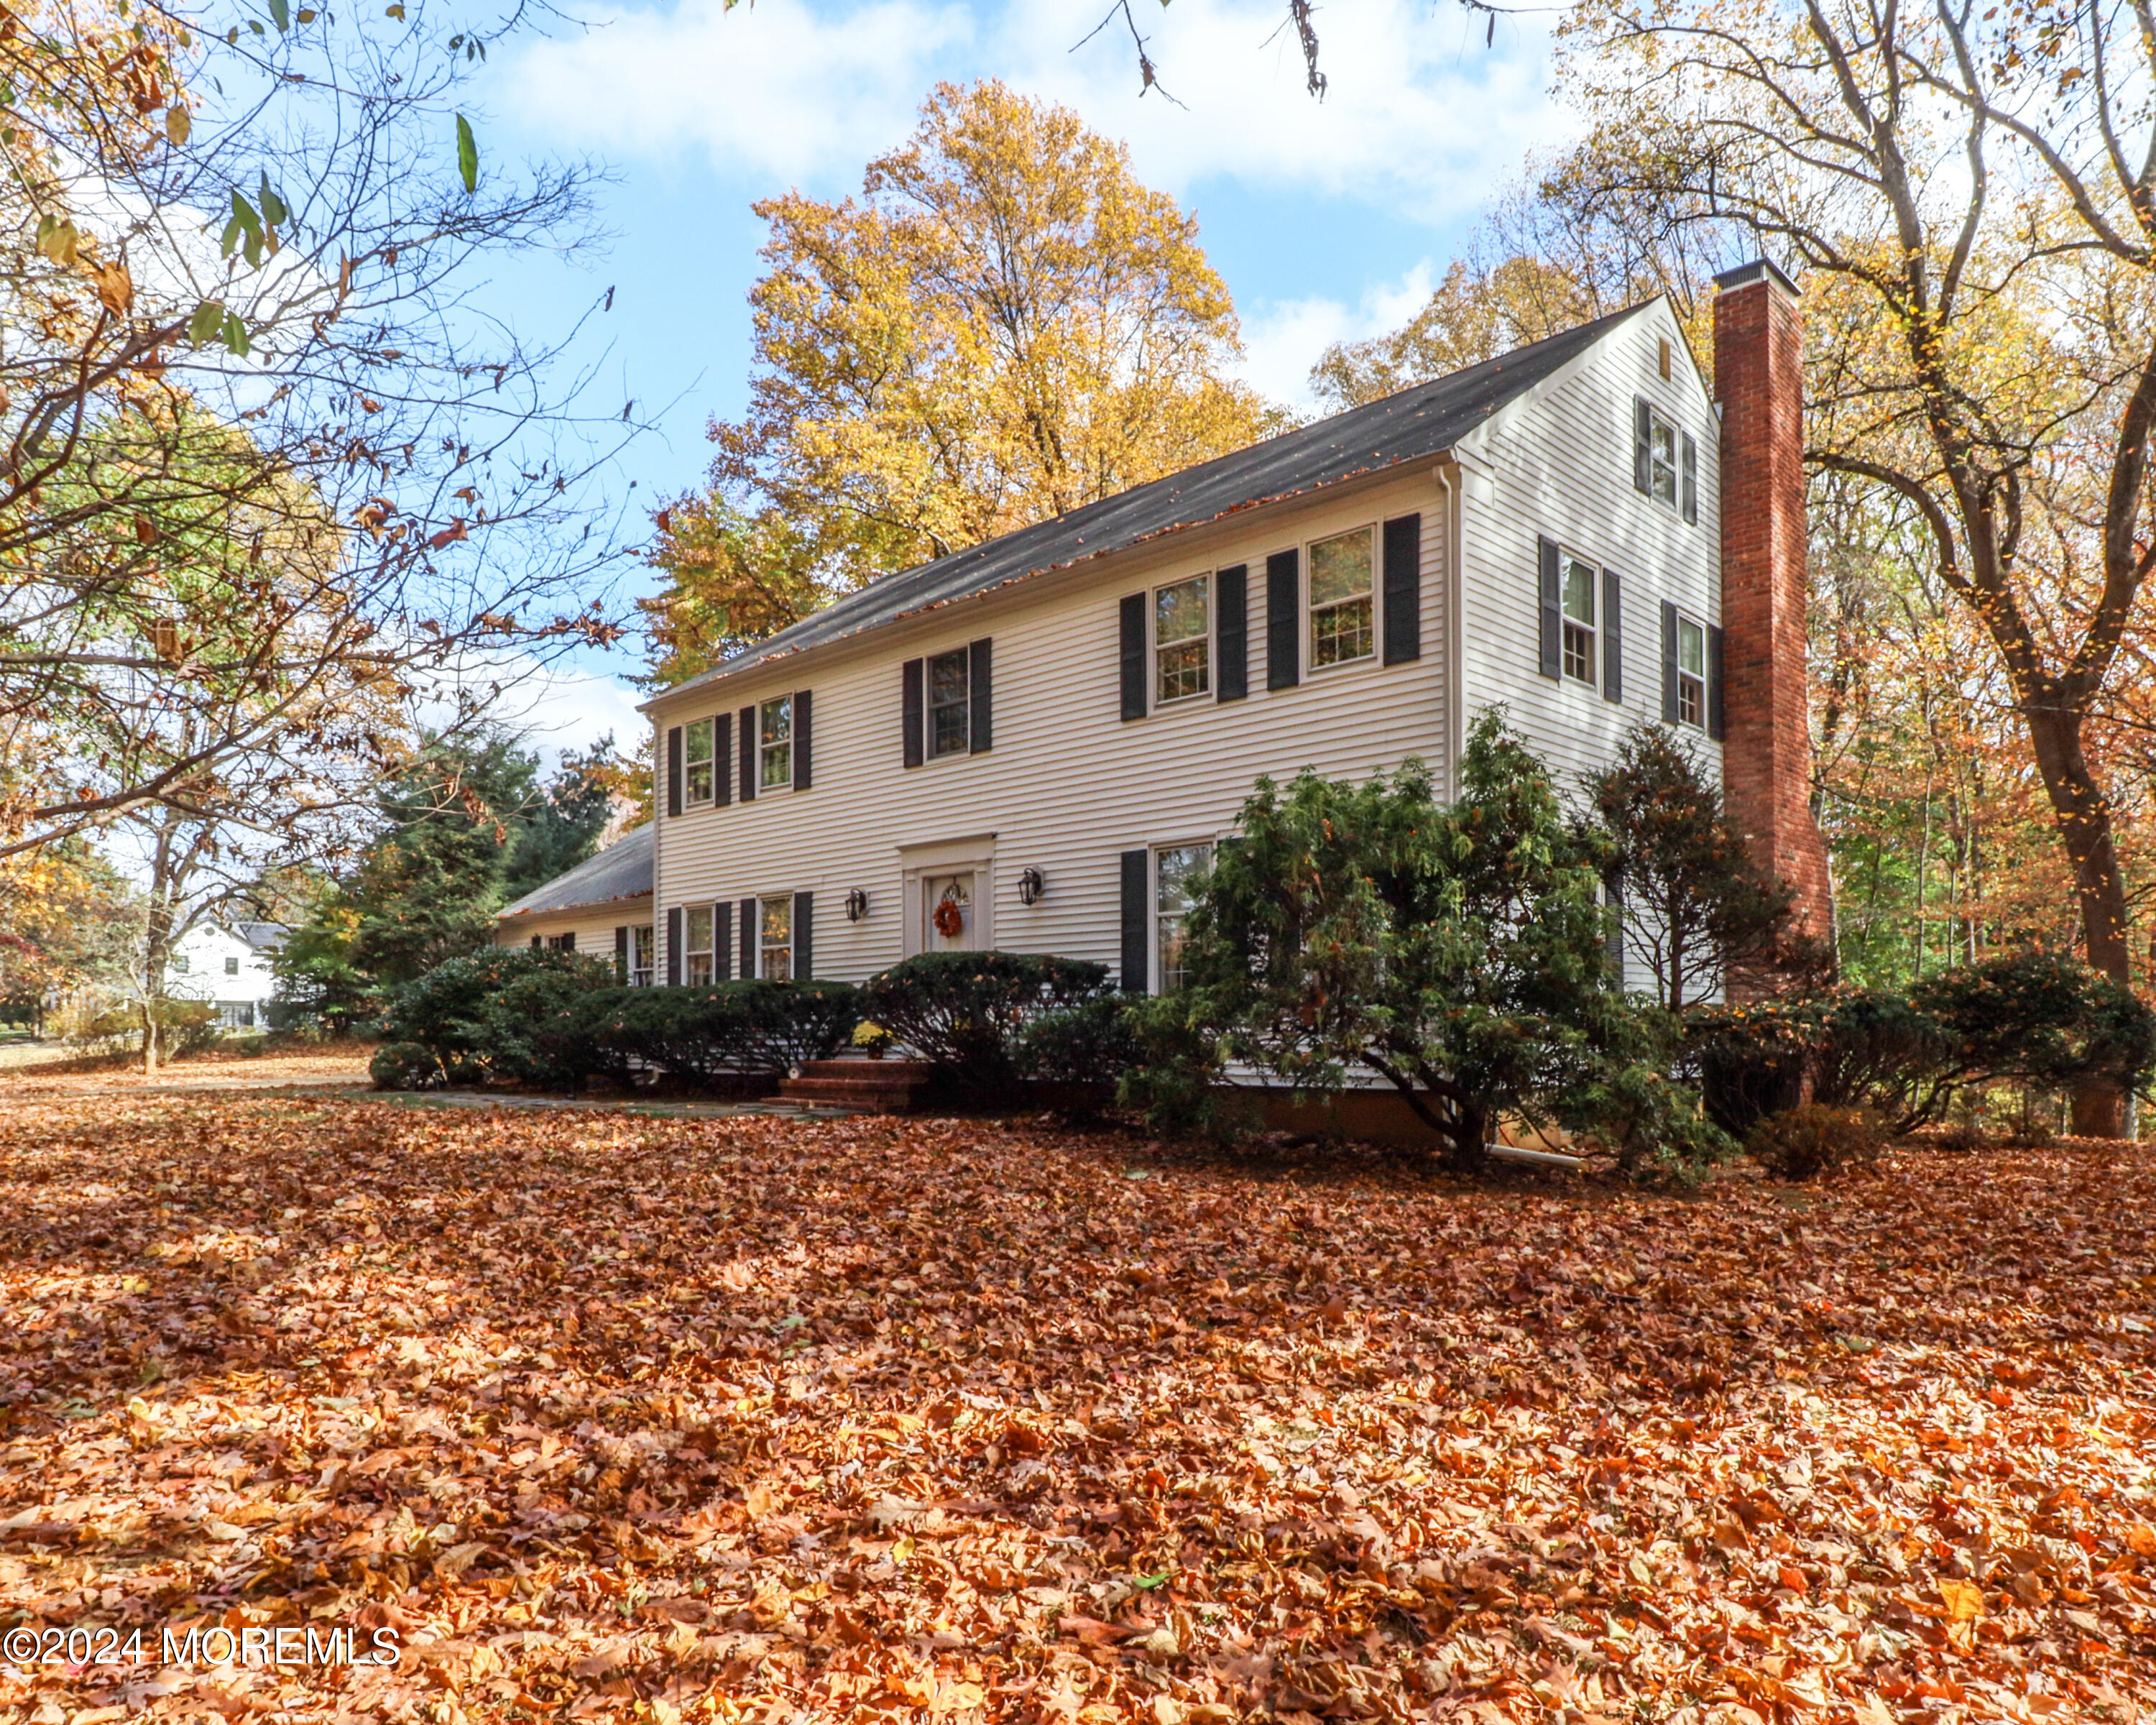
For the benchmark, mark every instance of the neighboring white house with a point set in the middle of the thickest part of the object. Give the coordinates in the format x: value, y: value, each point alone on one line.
x: 1034, y: 743
x: 229, y: 967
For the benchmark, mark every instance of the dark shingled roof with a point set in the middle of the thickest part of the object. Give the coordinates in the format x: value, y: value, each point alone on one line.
x: 1415, y: 425
x: 622, y: 870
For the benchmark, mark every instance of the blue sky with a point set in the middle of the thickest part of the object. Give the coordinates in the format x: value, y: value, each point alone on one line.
x: 1327, y: 220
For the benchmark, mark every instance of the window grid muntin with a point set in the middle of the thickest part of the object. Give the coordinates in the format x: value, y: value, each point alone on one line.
x: 698, y: 754
x: 774, y: 743
x: 774, y: 938
x: 1176, y: 870
x: 950, y: 703
x: 1182, y: 632
x: 643, y: 950
x: 1343, y: 616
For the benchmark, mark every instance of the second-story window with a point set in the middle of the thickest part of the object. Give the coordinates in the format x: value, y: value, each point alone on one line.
x: 1579, y: 619
x: 696, y: 760
x: 1340, y: 609
x: 1692, y: 673
x: 1181, y: 636
x: 950, y: 704
x: 774, y: 742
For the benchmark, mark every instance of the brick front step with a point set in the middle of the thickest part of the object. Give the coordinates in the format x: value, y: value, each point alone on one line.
x: 870, y: 1087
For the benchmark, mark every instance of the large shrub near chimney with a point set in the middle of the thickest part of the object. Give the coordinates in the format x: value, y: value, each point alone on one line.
x: 1459, y: 953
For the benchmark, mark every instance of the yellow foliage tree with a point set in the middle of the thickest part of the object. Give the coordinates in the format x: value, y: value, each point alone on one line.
x: 1004, y: 326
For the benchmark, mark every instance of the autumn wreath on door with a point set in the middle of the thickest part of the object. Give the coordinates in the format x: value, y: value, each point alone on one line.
x: 950, y: 918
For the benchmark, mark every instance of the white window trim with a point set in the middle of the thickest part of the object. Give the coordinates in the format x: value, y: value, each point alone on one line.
x: 758, y: 707
x: 1311, y: 667
x: 1657, y: 419
x: 1155, y: 968
x: 1566, y: 557
x: 689, y: 799
x: 649, y: 974
x: 691, y: 951
x: 1701, y: 624
x: 792, y: 942
x: 929, y: 757
x: 1211, y: 638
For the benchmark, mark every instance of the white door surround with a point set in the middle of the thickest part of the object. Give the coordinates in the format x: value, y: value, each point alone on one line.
x: 931, y: 873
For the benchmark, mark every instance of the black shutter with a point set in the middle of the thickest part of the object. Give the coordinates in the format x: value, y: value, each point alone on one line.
x: 1552, y: 610
x: 981, y: 673
x: 673, y: 769
x: 722, y: 759
x: 1231, y: 631
x: 804, y: 933
x: 1690, y: 492
x: 1135, y: 871
x: 748, y: 937
x: 1613, y: 637
x: 912, y: 709
x: 804, y: 707
x: 1131, y: 650
x: 748, y: 754
x: 1283, y: 620
x: 621, y: 955
x: 674, y: 947
x: 1643, y: 446
x: 1714, y: 714
x: 722, y: 944
x: 537, y: 941
x: 1403, y: 589
x: 1669, y: 663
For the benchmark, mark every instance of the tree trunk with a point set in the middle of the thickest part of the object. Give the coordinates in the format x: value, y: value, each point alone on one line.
x: 2084, y: 828
x: 149, y: 1037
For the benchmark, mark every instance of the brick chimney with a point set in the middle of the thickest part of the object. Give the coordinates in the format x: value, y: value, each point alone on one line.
x: 1759, y: 383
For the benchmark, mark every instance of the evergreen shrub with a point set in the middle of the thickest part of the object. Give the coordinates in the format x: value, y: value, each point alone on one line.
x: 970, y: 1015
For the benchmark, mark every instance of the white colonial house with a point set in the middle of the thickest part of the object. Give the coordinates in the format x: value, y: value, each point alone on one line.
x: 1033, y: 744
x: 229, y: 966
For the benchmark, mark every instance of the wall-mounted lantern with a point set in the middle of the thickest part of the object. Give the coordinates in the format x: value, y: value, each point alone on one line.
x: 857, y: 905
x: 1032, y: 884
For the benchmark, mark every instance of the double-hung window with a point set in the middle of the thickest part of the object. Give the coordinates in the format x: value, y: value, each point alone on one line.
x: 1341, y: 628
x: 697, y: 924
x: 232, y: 967
x: 1661, y: 459
x: 774, y: 734
x: 642, y: 946
x: 774, y: 938
x: 1177, y: 870
x: 1692, y: 673
x: 564, y: 942
x: 950, y: 703
x: 1183, y: 640
x: 1579, y: 631
x: 696, y: 762
x: 1664, y: 460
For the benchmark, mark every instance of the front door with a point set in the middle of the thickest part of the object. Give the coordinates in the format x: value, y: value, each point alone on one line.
x: 948, y: 912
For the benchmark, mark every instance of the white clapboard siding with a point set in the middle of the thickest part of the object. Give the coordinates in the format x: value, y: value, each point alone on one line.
x: 593, y: 926
x: 1559, y: 462
x: 1068, y: 785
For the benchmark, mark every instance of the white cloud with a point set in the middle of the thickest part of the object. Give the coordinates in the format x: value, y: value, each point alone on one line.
x: 563, y: 709
x: 1282, y: 339
x: 1421, y: 120
x: 778, y: 91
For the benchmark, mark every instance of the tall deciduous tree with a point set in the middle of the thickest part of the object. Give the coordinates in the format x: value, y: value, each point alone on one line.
x: 1972, y: 191
x: 236, y: 268
x: 1004, y: 326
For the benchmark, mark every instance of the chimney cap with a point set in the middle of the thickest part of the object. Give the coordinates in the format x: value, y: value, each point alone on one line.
x: 1759, y: 269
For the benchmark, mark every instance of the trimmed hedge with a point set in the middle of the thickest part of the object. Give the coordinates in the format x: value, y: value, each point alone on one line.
x: 985, y: 1019
x: 723, y: 1030
x: 2039, y: 1018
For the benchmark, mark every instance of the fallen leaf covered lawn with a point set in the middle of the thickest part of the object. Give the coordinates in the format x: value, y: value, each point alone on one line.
x: 763, y: 1419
